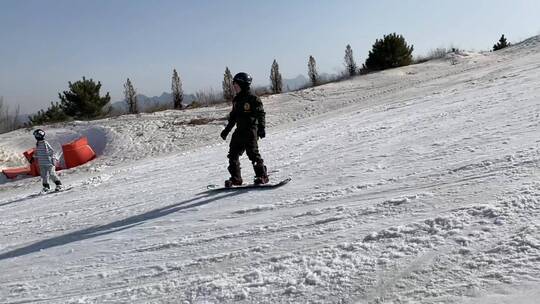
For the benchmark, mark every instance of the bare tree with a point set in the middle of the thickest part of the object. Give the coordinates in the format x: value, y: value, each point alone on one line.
x: 228, y: 89
x: 276, y: 82
x: 15, y: 123
x: 4, y: 116
x: 312, y: 71
x: 177, y: 92
x: 131, y: 97
x: 350, y: 64
x: 8, y: 121
x: 207, y: 97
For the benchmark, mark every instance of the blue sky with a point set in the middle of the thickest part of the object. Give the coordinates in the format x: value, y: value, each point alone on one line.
x: 45, y: 43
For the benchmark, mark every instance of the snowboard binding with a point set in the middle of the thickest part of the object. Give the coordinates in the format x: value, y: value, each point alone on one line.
x: 233, y: 181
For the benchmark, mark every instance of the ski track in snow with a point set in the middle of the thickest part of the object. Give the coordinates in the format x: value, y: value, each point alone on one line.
x: 413, y: 185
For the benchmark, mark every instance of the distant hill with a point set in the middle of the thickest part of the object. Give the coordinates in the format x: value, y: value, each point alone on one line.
x: 293, y: 84
x: 145, y: 102
x: 302, y: 81
x: 23, y: 118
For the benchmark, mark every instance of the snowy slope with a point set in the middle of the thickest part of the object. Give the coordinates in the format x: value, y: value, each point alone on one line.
x: 414, y: 185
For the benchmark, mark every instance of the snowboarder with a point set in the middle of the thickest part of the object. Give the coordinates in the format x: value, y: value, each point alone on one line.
x: 249, y: 117
x: 44, y: 155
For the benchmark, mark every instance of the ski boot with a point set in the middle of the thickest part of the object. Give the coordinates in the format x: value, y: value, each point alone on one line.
x: 236, y: 175
x: 233, y: 181
x: 58, y: 186
x: 46, y: 188
x: 261, y: 180
x: 261, y: 177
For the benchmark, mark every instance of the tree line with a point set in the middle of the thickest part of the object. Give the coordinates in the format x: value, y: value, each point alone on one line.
x: 83, y: 101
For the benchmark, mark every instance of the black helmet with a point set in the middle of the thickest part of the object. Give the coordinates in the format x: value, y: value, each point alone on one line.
x: 39, y: 134
x: 242, y: 79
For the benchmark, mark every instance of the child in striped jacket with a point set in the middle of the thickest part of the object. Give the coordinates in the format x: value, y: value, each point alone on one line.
x: 45, y: 157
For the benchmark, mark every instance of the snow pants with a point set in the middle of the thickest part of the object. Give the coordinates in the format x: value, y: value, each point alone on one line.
x: 48, y: 172
x: 244, y: 142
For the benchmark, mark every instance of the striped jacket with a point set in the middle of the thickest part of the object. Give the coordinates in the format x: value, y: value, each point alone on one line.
x: 44, y: 153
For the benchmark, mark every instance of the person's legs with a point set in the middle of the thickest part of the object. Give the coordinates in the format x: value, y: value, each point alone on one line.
x: 44, y: 172
x: 252, y: 150
x: 55, y: 178
x: 236, y: 149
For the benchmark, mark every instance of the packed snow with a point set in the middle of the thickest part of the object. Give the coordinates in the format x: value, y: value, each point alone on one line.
x: 413, y: 185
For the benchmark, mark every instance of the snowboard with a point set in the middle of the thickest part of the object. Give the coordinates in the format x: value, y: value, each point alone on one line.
x: 41, y: 193
x: 216, y: 188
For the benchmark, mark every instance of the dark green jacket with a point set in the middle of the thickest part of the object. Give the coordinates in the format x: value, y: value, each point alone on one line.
x: 247, y: 113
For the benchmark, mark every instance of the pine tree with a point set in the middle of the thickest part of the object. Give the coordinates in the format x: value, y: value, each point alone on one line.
x: 53, y: 114
x: 228, y: 88
x: 501, y: 44
x: 83, y: 101
x: 276, y: 82
x: 312, y: 71
x: 390, y: 52
x: 131, y: 97
x: 177, y: 92
x: 350, y: 64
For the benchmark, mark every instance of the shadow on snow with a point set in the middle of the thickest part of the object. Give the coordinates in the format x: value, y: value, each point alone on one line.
x: 130, y: 222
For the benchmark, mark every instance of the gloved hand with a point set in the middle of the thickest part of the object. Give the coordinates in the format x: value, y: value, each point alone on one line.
x: 261, y: 133
x: 224, y: 134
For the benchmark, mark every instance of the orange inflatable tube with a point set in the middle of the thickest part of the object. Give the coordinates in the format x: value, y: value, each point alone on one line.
x: 14, y: 172
x: 77, y: 152
x: 34, y: 166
